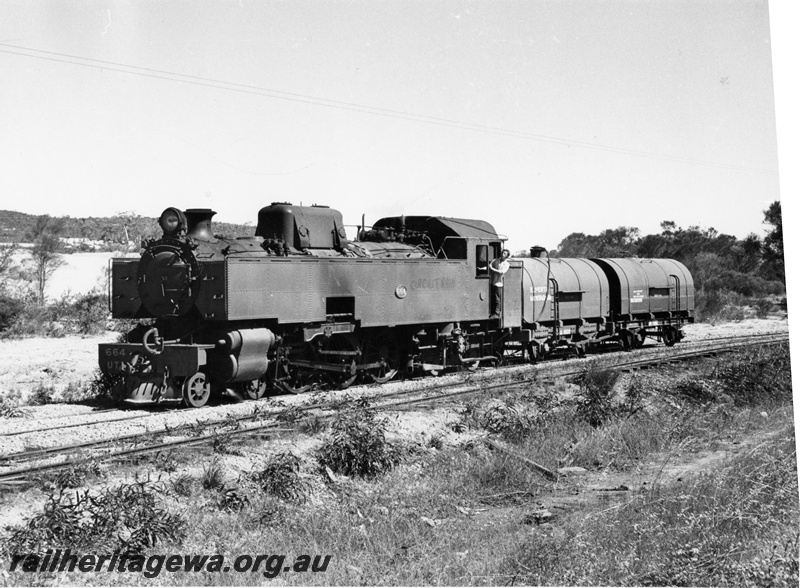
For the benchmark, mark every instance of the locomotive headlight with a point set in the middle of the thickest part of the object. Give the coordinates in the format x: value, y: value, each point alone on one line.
x: 172, y: 221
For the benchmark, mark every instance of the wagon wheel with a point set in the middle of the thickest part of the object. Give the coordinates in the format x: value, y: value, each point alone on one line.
x: 670, y: 335
x: 534, y: 352
x: 499, y: 353
x: 627, y: 339
x: 342, y: 350
x: 196, y: 391
x: 382, y: 348
x: 254, y: 389
x: 638, y: 339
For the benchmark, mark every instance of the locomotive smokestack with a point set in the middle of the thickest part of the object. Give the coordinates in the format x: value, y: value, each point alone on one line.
x: 199, y: 224
x: 537, y: 251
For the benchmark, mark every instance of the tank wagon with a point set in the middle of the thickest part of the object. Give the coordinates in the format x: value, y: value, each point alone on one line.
x: 299, y: 304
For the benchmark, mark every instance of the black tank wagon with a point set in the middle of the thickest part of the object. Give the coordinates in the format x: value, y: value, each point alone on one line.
x: 298, y: 304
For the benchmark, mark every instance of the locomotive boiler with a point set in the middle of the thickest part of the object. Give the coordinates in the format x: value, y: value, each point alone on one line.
x: 299, y: 305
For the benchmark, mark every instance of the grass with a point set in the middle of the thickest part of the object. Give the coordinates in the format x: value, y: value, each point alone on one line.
x: 469, y: 516
x: 733, y: 527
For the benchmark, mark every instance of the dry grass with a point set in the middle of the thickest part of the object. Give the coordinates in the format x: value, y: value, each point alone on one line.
x: 469, y: 516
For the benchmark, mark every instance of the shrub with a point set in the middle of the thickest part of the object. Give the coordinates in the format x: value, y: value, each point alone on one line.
x: 280, y: 477
x: 694, y: 390
x: 762, y: 306
x: 103, y: 385
x: 127, y: 518
x: 741, y: 283
x: 42, y: 394
x: 10, y: 405
x: 77, y: 314
x: 231, y: 500
x: 507, y: 419
x: 73, y: 476
x: 716, y: 305
x: 358, y: 447
x: 90, y: 313
x: 213, y: 477
x: 10, y: 309
x: 594, y: 399
x: 183, y: 485
x: 759, y: 376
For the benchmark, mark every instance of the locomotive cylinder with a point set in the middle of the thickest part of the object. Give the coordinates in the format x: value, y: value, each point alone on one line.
x: 244, y: 354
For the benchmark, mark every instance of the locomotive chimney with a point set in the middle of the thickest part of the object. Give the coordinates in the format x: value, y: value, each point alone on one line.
x: 537, y: 251
x: 199, y: 224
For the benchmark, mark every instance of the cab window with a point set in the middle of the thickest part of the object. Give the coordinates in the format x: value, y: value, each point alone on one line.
x: 481, y: 261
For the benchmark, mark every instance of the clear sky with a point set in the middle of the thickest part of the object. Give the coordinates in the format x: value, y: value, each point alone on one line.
x: 542, y: 117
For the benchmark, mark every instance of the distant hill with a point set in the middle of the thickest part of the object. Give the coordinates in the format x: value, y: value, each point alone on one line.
x: 16, y: 227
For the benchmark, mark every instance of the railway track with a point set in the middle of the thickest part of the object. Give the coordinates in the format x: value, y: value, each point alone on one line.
x: 275, y: 422
x: 108, y: 416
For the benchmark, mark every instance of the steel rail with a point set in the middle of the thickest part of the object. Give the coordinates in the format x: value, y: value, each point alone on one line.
x: 188, y: 410
x: 424, y: 396
x: 544, y: 366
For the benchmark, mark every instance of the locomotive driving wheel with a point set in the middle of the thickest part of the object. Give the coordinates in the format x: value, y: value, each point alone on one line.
x: 295, y: 379
x: 382, y: 348
x: 254, y: 389
x: 196, y: 390
x: 343, y: 351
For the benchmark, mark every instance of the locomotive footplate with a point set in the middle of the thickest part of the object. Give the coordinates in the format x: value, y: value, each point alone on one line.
x: 151, y: 377
x: 133, y: 358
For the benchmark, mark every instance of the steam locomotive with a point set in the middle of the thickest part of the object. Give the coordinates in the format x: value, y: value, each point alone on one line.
x: 298, y: 305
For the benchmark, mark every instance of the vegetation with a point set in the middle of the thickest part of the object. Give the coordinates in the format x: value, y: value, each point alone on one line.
x: 46, y: 251
x: 460, y: 514
x: 358, y: 447
x: 108, y: 233
x: 281, y: 477
x: 729, y: 273
x: 126, y: 518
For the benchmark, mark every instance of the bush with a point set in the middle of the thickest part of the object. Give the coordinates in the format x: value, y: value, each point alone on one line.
x: 716, y: 305
x: 213, y: 477
x: 280, y: 477
x: 508, y: 419
x: 758, y: 377
x: 358, y: 446
x: 10, y: 309
x: 126, y: 518
x: 594, y: 400
x: 81, y: 314
x: 90, y: 313
x: 745, y: 284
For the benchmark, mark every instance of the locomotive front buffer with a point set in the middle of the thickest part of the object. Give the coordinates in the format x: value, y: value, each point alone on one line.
x: 156, y: 371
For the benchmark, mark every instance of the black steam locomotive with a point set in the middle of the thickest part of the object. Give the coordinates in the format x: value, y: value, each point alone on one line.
x: 299, y: 305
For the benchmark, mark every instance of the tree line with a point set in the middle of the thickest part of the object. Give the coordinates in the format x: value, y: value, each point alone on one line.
x: 113, y: 231
x: 751, y: 266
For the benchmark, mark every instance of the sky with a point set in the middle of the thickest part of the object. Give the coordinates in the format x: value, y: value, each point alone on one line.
x: 542, y: 117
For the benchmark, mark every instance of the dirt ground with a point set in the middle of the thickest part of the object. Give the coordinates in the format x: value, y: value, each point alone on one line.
x: 71, y: 361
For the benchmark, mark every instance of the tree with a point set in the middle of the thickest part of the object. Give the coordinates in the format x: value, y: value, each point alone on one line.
x: 46, y: 251
x: 772, y: 251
